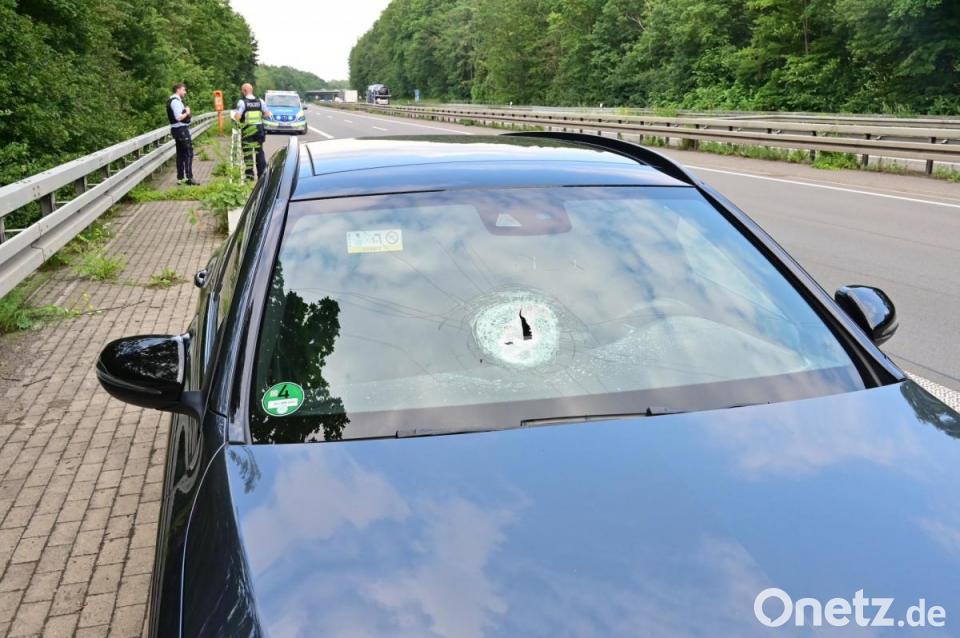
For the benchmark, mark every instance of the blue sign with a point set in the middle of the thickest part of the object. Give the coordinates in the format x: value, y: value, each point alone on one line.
x: 416, y: 95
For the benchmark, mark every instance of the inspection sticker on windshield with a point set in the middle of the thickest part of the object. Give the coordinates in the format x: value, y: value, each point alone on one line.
x: 283, y: 399
x: 374, y: 241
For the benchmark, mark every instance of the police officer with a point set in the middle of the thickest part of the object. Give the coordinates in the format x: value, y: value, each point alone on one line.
x: 250, y: 112
x: 179, y: 116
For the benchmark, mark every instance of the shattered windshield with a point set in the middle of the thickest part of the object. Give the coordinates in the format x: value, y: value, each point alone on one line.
x: 470, y: 310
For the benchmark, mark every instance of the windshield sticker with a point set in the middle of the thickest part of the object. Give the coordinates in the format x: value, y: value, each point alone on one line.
x: 283, y: 399
x: 374, y: 241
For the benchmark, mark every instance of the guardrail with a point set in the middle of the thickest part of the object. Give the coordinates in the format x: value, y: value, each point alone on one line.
x: 117, y: 170
x: 779, y: 116
x: 906, y: 142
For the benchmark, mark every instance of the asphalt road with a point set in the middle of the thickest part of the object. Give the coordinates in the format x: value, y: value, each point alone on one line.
x: 899, y: 233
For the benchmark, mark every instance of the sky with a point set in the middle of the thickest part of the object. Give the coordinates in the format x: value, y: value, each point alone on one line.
x: 312, y: 35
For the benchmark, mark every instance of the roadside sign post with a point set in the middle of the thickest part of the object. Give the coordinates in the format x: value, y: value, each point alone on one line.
x: 218, y: 107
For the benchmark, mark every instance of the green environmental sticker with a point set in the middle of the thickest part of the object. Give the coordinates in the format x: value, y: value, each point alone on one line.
x: 283, y: 399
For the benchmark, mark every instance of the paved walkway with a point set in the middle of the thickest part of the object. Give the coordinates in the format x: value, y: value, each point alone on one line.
x: 81, y: 473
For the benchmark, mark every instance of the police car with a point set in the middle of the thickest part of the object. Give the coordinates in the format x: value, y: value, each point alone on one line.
x: 286, y: 113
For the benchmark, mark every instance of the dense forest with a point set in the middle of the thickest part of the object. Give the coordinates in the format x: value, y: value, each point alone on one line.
x: 811, y: 55
x: 286, y: 78
x: 79, y: 75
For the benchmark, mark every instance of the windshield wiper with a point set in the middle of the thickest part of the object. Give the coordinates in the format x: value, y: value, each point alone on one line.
x: 651, y: 411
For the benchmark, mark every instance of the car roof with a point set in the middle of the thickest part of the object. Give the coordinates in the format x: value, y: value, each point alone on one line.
x: 368, y: 166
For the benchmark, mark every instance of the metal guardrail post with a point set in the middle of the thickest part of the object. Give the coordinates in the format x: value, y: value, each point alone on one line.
x: 865, y: 158
x: 928, y: 169
x: 48, y: 204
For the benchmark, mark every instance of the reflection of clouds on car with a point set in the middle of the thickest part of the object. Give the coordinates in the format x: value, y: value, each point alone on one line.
x: 674, y: 308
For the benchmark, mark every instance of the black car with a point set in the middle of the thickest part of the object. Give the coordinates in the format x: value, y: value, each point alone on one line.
x: 532, y: 385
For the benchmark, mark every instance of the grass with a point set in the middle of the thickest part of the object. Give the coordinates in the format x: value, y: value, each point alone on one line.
x: 949, y: 174
x: 165, y: 278
x: 828, y: 160
x: 756, y: 152
x: 18, y: 314
x: 180, y: 193
x: 98, y: 266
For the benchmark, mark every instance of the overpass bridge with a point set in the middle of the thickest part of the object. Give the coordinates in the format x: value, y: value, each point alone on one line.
x: 81, y: 474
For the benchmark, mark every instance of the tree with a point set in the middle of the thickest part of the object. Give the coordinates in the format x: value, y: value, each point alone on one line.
x: 819, y: 55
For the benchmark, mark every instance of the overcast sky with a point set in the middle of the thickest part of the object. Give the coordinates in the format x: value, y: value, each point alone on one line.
x: 313, y: 35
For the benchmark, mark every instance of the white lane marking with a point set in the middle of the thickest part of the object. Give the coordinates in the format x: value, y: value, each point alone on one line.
x: 329, y: 117
x: 319, y: 132
x: 832, y: 188
x: 349, y: 121
x: 401, y: 122
x: 379, y: 128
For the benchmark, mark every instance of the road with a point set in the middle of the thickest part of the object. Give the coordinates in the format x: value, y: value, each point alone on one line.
x: 900, y: 233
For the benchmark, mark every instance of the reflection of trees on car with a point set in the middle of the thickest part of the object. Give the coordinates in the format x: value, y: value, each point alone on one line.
x: 930, y: 410
x: 298, y: 337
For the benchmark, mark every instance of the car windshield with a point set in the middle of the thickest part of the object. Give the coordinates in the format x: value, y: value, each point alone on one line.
x: 489, y: 309
x: 283, y: 100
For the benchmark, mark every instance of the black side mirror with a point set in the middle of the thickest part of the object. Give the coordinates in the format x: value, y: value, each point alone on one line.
x: 148, y: 371
x: 305, y: 107
x: 871, y: 309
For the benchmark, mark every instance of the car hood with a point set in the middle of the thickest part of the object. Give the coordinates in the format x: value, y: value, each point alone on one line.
x: 659, y: 526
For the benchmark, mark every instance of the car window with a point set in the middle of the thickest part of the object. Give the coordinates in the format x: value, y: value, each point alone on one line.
x: 485, y: 309
x: 233, y: 252
x: 283, y: 100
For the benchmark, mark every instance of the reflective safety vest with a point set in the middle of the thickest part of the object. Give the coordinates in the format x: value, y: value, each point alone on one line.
x: 170, y: 116
x: 252, y: 111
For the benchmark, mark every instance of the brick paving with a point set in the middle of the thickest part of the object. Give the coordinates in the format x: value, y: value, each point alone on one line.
x: 81, y: 473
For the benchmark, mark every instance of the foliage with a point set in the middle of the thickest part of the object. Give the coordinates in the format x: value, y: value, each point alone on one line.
x: 891, y: 56
x: 98, y: 265
x: 833, y: 161
x: 286, y: 78
x: 165, y: 278
x: 223, y: 196
x: 16, y: 312
x: 80, y: 75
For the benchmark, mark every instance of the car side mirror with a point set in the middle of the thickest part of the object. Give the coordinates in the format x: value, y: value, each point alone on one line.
x: 149, y: 371
x: 305, y: 107
x: 871, y: 309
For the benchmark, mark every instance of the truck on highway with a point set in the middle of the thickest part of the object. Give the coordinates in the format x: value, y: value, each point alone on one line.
x: 378, y: 94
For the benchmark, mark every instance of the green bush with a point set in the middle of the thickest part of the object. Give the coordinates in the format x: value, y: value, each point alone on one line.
x: 224, y: 196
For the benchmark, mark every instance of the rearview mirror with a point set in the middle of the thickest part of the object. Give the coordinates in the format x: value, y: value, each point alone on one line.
x: 148, y: 371
x: 871, y: 309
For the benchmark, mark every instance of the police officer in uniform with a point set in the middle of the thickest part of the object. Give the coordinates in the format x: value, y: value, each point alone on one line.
x: 250, y: 112
x: 179, y: 116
